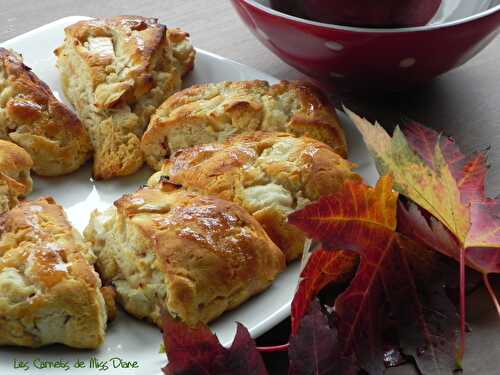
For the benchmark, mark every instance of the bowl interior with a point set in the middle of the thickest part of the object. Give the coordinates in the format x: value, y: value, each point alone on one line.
x: 454, y: 10
x: 450, y: 10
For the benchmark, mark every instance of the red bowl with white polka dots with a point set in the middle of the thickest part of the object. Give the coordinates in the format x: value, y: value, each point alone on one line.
x: 382, y: 58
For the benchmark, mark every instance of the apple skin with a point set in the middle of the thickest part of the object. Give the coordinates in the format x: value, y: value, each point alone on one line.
x: 362, y: 13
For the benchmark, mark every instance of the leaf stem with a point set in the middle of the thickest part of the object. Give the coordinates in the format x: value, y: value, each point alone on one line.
x: 272, y: 349
x: 491, y: 292
x: 462, y: 306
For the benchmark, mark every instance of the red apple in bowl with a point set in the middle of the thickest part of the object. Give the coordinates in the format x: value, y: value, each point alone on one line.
x: 365, y: 13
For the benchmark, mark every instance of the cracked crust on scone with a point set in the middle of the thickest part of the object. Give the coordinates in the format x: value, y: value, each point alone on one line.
x: 116, y: 72
x: 190, y: 255
x: 15, y: 179
x: 33, y: 118
x: 210, y: 113
x: 49, y: 291
x: 269, y: 174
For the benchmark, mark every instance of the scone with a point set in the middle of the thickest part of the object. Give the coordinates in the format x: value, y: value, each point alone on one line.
x: 33, y: 118
x: 15, y: 179
x: 116, y: 72
x: 210, y: 113
x: 49, y: 291
x: 190, y: 255
x: 269, y: 174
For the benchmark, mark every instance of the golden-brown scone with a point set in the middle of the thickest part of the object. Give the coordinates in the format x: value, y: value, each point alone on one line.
x: 212, y: 112
x: 33, y: 118
x: 49, y: 291
x: 191, y: 255
x: 269, y: 174
x: 116, y: 72
x: 15, y: 179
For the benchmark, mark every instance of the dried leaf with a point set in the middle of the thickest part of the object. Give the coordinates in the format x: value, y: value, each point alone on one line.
x: 314, y: 348
x: 323, y: 268
x: 362, y: 309
x: 357, y: 210
x: 196, y: 350
x: 427, y: 182
x: 469, y: 172
x: 483, y: 240
x: 430, y: 170
x: 242, y: 357
x: 363, y: 219
x: 189, y: 350
x: 416, y: 223
x: 434, y: 318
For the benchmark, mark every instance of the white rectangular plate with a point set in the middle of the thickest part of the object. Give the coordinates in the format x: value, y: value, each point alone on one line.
x: 128, y: 338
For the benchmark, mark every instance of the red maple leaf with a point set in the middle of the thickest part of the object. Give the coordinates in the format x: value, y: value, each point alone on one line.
x: 314, y: 348
x: 323, y: 268
x: 479, y: 248
x: 197, y: 351
x: 363, y: 219
x: 452, y: 213
x: 469, y: 172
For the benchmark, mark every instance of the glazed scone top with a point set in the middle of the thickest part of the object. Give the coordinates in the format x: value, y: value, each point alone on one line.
x: 260, y: 169
x: 116, y: 72
x: 191, y: 255
x: 211, y: 225
x: 212, y: 112
x: 33, y: 118
x: 122, y: 53
x: 57, y: 251
x: 49, y: 291
x: 269, y: 174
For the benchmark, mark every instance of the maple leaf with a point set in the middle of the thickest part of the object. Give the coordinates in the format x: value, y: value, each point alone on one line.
x: 196, y: 350
x: 469, y: 172
x: 432, y: 188
x: 431, y: 171
x: 483, y: 240
x: 323, y: 268
x: 356, y: 211
x: 314, y: 349
x: 363, y: 219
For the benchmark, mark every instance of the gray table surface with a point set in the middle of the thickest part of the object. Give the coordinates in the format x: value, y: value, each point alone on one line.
x: 464, y: 103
